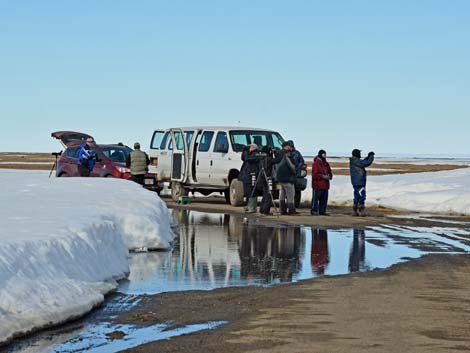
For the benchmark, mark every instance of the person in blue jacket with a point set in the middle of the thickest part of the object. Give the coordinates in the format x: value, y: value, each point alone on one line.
x: 86, y: 158
x: 357, y: 169
x: 297, y: 158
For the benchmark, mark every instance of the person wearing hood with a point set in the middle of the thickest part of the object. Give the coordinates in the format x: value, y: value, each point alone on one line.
x: 357, y: 169
x: 321, y: 176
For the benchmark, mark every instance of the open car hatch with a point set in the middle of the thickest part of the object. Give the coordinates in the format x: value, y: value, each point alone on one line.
x: 70, y: 138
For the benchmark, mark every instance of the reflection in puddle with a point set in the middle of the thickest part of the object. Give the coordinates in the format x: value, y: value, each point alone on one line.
x: 216, y: 250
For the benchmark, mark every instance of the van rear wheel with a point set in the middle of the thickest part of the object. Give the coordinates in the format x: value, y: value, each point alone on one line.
x: 236, y: 193
x: 177, y: 190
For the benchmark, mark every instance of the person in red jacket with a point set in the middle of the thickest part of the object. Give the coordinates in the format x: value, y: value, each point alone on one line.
x: 321, y: 176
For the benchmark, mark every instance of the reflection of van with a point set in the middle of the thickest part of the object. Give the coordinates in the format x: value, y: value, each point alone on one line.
x: 206, y: 159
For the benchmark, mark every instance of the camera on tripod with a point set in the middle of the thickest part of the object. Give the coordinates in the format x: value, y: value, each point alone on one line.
x: 57, y: 154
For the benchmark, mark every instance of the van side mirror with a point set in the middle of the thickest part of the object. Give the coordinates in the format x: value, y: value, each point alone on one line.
x: 221, y: 148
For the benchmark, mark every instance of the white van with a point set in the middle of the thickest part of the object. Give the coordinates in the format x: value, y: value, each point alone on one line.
x: 206, y: 159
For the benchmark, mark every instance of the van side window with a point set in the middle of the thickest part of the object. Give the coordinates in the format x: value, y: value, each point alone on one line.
x: 164, y: 140
x: 188, y: 136
x: 221, y: 142
x: 206, y: 140
x: 156, y: 139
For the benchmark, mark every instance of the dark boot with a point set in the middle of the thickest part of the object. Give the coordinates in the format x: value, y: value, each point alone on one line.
x: 251, y: 206
x: 282, y: 207
x: 292, y: 210
x: 355, y: 214
x: 361, y: 210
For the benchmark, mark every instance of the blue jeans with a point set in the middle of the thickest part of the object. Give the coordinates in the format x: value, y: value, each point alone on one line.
x: 359, y: 195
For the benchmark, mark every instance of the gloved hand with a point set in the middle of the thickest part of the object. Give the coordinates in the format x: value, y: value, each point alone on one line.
x: 371, y: 153
x: 325, y: 177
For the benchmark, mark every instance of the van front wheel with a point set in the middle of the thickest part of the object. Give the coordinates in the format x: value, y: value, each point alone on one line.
x: 177, y: 190
x: 236, y: 193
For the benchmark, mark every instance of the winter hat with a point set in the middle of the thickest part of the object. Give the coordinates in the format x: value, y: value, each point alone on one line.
x: 356, y: 153
x: 136, y: 146
x: 286, y: 143
x: 291, y: 143
x: 321, y: 152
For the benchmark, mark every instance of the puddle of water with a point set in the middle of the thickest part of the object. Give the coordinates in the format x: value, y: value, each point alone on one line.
x: 216, y: 250
x: 95, y: 339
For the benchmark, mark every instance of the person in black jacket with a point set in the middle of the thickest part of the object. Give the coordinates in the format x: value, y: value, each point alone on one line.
x: 272, y: 157
x: 286, y: 176
x: 248, y: 174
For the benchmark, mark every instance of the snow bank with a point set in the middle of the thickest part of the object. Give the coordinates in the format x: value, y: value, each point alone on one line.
x: 438, y: 192
x: 65, y: 241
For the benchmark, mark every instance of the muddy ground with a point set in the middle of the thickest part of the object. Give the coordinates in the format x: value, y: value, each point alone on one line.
x: 421, y: 306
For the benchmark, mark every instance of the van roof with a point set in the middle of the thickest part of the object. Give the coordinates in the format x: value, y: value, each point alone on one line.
x: 217, y: 128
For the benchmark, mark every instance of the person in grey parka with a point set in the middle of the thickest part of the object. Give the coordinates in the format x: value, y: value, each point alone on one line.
x: 357, y: 169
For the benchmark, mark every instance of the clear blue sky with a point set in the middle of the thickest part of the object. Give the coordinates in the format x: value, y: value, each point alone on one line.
x: 392, y: 76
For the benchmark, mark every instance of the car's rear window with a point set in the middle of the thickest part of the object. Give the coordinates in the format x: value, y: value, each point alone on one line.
x: 72, y: 152
x: 241, y: 138
x: 116, y: 154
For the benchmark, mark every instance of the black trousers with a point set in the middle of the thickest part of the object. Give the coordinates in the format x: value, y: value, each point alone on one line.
x: 266, y: 202
x: 319, y: 200
x: 83, y: 170
x: 138, y: 178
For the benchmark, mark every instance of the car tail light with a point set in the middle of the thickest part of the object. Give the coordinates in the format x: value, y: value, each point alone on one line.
x: 154, y: 161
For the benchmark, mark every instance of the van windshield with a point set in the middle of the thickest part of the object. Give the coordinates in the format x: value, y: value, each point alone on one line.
x: 241, y: 138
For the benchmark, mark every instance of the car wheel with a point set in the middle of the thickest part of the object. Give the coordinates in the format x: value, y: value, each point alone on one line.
x: 297, y: 198
x: 63, y: 175
x: 109, y: 176
x: 177, y: 190
x: 236, y: 193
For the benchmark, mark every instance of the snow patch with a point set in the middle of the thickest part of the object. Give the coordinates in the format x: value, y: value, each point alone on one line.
x: 446, y: 192
x: 65, y: 242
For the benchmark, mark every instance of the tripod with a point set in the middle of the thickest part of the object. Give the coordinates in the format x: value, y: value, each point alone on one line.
x: 262, y: 176
x: 56, y: 154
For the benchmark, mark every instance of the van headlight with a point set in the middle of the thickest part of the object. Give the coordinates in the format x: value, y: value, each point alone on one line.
x: 123, y: 170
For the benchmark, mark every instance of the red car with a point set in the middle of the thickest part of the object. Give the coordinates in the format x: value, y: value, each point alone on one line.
x: 111, y: 162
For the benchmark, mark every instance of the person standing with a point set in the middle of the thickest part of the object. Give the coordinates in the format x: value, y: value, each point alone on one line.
x: 248, y: 174
x: 86, y: 158
x: 321, y: 176
x: 357, y: 169
x: 272, y: 157
x: 286, y: 176
x: 296, y: 158
x: 138, y: 162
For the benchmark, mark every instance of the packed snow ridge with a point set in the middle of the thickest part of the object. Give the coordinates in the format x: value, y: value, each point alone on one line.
x: 446, y: 192
x: 65, y: 241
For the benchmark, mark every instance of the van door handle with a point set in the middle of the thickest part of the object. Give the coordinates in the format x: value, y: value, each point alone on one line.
x: 211, y: 163
x: 197, y: 162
